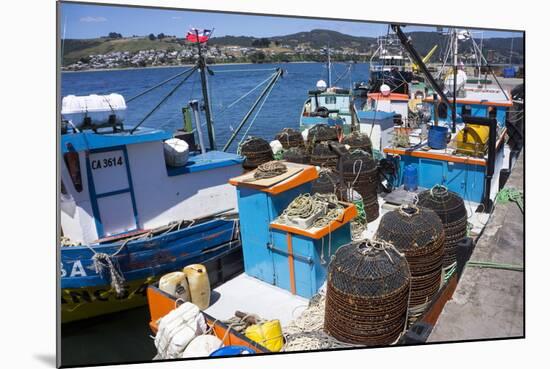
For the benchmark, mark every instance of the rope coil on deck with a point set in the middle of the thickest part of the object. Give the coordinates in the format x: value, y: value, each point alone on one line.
x: 270, y: 169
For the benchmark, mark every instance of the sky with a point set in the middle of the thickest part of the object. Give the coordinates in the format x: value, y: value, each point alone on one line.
x: 90, y: 21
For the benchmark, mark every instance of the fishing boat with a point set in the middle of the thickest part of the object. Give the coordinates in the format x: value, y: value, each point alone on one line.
x: 139, y: 202
x: 128, y: 216
x: 328, y: 104
x: 471, y: 152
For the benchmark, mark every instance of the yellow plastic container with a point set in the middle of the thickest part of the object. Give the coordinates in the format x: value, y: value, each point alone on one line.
x: 472, y: 140
x: 175, y: 284
x: 199, y: 285
x: 268, y: 334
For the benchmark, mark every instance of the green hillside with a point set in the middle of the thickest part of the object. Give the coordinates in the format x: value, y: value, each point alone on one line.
x: 74, y: 50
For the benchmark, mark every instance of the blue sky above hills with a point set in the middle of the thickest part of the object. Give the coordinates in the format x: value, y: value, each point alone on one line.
x: 91, y: 21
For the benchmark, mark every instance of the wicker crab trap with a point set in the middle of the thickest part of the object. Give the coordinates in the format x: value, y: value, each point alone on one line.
x: 357, y: 140
x: 321, y: 133
x: 256, y: 151
x: 327, y: 182
x: 289, y: 137
x: 368, y: 287
x: 296, y: 155
x: 452, y: 212
x: 361, y: 174
x: 323, y: 156
x: 419, y: 234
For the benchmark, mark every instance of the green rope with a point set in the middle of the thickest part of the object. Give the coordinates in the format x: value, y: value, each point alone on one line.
x: 278, y: 155
x: 377, y: 155
x: 494, y: 265
x: 361, y: 214
x: 510, y: 194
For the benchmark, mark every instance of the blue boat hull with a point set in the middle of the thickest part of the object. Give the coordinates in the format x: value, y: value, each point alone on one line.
x: 85, y: 293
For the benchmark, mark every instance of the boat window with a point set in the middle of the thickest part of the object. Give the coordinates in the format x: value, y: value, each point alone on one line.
x: 442, y: 111
x: 73, y: 166
x: 330, y: 99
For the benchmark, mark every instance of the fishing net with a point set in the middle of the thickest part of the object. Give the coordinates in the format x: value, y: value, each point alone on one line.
x: 419, y: 234
x: 361, y: 174
x: 289, y: 137
x: 358, y: 140
x: 327, y: 182
x: 321, y: 132
x: 323, y: 156
x: 452, y: 212
x: 368, y: 288
x: 296, y: 155
x: 270, y: 169
x: 256, y: 151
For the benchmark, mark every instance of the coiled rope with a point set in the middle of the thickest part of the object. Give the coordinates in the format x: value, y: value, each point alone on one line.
x: 270, y: 169
x: 306, y: 332
x: 104, y: 265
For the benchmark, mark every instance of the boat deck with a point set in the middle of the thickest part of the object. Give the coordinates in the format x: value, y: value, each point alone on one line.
x: 250, y: 295
x: 488, y: 303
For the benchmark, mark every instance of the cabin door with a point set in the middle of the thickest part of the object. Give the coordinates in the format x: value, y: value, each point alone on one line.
x: 111, y: 191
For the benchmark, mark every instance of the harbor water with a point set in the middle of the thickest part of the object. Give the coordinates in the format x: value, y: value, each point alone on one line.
x: 229, y: 83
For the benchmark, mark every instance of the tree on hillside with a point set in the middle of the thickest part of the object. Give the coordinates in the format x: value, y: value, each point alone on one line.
x: 114, y: 35
x: 257, y: 57
x: 152, y: 37
x: 160, y: 36
x: 261, y: 42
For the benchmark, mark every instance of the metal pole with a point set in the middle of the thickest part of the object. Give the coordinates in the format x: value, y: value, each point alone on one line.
x: 194, y: 105
x: 455, y: 70
x: 201, y: 64
x: 329, y: 69
x: 278, y: 73
x: 162, y: 101
x: 414, y: 55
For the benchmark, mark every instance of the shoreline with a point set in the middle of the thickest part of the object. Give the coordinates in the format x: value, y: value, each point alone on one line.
x: 175, y: 66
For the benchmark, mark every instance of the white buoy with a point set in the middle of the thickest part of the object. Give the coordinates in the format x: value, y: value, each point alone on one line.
x: 321, y: 85
x: 385, y: 90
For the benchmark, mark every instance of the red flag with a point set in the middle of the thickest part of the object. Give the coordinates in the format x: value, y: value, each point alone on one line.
x: 198, y: 36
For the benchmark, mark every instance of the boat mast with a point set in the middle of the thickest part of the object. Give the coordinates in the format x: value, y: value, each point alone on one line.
x: 201, y: 65
x: 329, y: 66
x: 455, y: 70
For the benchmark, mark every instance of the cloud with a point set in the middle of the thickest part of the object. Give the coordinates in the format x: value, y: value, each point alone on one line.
x: 176, y: 17
x: 93, y: 19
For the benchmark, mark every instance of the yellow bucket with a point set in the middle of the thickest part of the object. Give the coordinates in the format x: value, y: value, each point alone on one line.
x: 268, y: 334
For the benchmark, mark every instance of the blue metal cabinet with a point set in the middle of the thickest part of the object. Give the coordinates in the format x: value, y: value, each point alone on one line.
x: 257, y: 208
x: 309, y: 258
